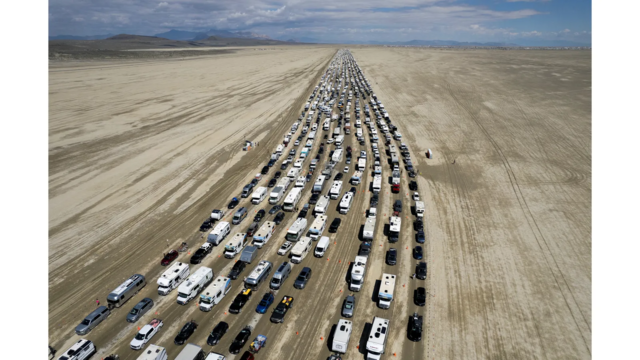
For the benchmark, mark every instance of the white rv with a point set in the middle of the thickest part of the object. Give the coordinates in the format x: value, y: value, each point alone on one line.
x: 362, y: 164
x: 258, y: 275
x: 319, y: 184
x: 377, y: 183
x: 394, y: 228
x: 321, y: 206
x: 397, y: 135
x: 172, y: 277
x: 296, y: 230
x: 214, y: 293
x: 278, y: 192
x: 357, y: 273
x: 312, y: 135
x: 293, y: 173
x: 235, y: 245
x: 356, y: 178
x: 259, y: 195
x: 298, y: 163
x: 292, y: 199
x: 194, y: 284
x: 336, y: 188
x: 262, y: 236
x: 377, y: 338
x: 420, y: 208
x: 337, y: 155
x: 339, y: 139
x: 385, y: 294
x: 219, y: 232
x: 317, y: 227
x: 153, y: 352
x: 301, y: 182
x: 345, y: 203
x: 300, y: 250
x: 342, y: 336
x: 325, y: 125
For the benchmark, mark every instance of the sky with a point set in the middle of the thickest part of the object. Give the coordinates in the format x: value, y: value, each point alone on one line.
x: 515, y: 21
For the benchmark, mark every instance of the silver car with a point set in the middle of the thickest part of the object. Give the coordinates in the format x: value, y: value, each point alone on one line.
x: 140, y: 309
x: 348, y: 306
x: 92, y: 320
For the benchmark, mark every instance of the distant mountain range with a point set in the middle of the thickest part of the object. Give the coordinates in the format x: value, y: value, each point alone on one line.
x: 73, y: 37
x: 193, y: 35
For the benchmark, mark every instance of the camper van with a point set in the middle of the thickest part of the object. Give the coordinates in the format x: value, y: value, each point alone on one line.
x: 394, y: 228
x: 296, y: 230
x: 258, y: 275
x: 397, y: 135
x: 317, y: 227
x: 293, y: 173
x: 172, y: 277
x: 235, y: 245
x: 342, y: 336
x: 322, y: 246
x: 125, y: 291
x: 321, y: 206
x: 259, y: 195
x: 262, y: 236
x: 301, y: 182
x: 385, y: 294
x: 377, y: 338
x: 336, y: 188
x: 319, y: 184
x: 214, y: 293
x: 283, y: 272
x: 218, y: 233
x: 292, y: 199
x: 300, y: 250
x: 357, y: 273
x: 189, y: 289
x: 345, y: 203
x: 339, y: 140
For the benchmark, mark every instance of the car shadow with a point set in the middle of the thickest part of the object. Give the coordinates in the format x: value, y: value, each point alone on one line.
x: 364, y: 337
x: 376, y: 290
x: 332, y: 333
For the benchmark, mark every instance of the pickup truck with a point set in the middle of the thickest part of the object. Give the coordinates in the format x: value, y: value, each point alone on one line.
x: 146, y: 333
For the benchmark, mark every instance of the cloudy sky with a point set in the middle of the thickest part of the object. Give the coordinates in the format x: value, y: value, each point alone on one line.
x: 334, y: 20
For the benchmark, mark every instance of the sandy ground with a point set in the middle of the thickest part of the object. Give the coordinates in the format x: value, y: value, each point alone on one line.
x: 137, y: 158
x: 509, y: 234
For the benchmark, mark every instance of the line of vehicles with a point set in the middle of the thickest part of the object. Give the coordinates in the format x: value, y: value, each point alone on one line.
x: 299, y: 240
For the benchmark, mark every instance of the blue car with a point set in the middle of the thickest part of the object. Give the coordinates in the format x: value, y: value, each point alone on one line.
x: 264, y: 304
x: 420, y: 236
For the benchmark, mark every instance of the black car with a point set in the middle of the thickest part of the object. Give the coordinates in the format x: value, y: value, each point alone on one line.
x: 365, y: 249
x: 186, y: 332
x: 277, y: 175
x: 254, y: 182
x: 392, y: 256
x: 321, y: 150
x: 421, y: 270
x: 420, y: 236
x: 234, y: 202
x: 303, y: 278
x: 272, y: 183
x: 201, y: 253
x: 397, y: 206
x: 279, y: 217
x: 420, y: 296
x: 414, y: 328
x: 411, y: 174
x: 374, y: 200
x: 413, y: 185
x: 271, y: 162
x: 308, y: 177
x: 353, y: 190
x: 240, y: 300
x: 335, y: 224
x: 418, y: 224
x: 265, y: 169
x: 314, y: 199
x: 326, y: 136
x: 281, y: 309
x: 284, y: 166
x: 409, y: 167
x: 417, y: 253
x: 240, y: 340
x: 253, y: 228
x: 259, y: 215
x: 303, y: 213
x: 217, y: 333
x: 274, y: 209
x: 237, y: 269
x: 206, y: 225
x: 338, y: 176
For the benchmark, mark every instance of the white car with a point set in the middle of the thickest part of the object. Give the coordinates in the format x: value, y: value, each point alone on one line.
x: 416, y: 196
x: 346, y: 169
x: 296, y: 143
x: 330, y: 141
x: 284, y: 249
x: 145, y: 334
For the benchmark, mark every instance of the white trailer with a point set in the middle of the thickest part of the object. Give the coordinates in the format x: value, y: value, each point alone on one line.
x: 325, y: 125
x: 293, y: 173
x: 317, y: 227
x: 339, y: 139
x: 395, y: 223
x: 172, y: 277
x: 259, y: 195
x: 362, y: 164
x: 300, y: 250
x: 319, y: 184
x: 377, y: 338
x: 321, y: 206
x: 297, y: 229
x: 369, y: 226
x: 345, y: 203
x: 312, y: 136
x: 336, y: 188
x: 292, y: 199
x: 342, y: 336
x: 154, y: 352
x: 357, y: 273
x: 214, y: 293
x: 263, y: 235
x: 301, y: 182
x: 385, y: 294
x: 194, y: 284
x: 377, y: 183
x: 337, y: 155
x: 235, y: 245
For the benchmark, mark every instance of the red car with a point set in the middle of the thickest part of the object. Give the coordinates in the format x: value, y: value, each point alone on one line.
x: 168, y: 258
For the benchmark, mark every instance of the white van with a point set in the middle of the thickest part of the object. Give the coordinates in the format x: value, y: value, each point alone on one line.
x: 322, y: 246
x: 342, y: 336
x: 218, y: 233
x: 259, y: 195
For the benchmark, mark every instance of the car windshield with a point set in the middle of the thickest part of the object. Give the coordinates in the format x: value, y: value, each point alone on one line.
x: 85, y: 322
x: 279, y: 310
x: 348, y: 306
x: 140, y: 336
x: 133, y: 311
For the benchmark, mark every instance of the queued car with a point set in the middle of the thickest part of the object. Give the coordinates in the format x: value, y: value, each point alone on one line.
x: 348, y: 306
x: 418, y: 224
x: 420, y: 236
x: 279, y: 217
x: 240, y: 300
x: 420, y: 296
x: 187, y: 330
x: 274, y: 209
x: 417, y: 252
x: 421, y: 270
x: 374, y: 200
x: 272, y: 183
x: 285, y: 248
x: 338, y: 176
x: 335, y: 224
x: 365, y: 248
x: 234, y: 202
x: 303, y: 278
x: 240, y: 340
x: 139, y: 309
x: 314, y: 199
x: 169, y: 257
x: 411, y: 174
x: 217, y: 333
x: 259, y: 215
x: 206, y: 225
x: 264, y: 304
x: 392, y: 256
x: 237, y: 269
x: 303, y: 212
x: 414, y: 328
x: 277, y: 174
x: 201, y: 253
x: 253, y: 228
x: 281, y: 309
x: 145, y: 334
x: 397, y: 206
x: 265, y: 169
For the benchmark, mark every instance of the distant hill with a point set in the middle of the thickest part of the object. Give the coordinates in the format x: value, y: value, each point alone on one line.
x: 132, y: 37
x: 193, y: 35
x: 441, y: 43
x: 73, y: 37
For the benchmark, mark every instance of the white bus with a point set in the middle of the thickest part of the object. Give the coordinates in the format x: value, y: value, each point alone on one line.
x: 345, y: 203
x: 377, y: 338
x: 292, y: 199
x: 297, y: 229
x: 336, y: 188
